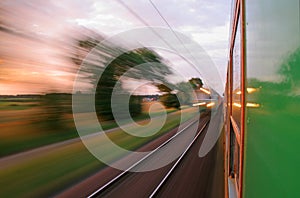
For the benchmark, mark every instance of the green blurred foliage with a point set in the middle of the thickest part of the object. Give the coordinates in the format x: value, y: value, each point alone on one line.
x: 116, y: 69
x: 113, y: 62
x: 163, y: 88
x: 135, y: 107
x: 272, y: 133
x: 170, y: 101
x: 196, y: 82
x: 54, y: 106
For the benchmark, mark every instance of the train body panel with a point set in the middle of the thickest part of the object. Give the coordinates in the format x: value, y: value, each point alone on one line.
x: 263, y: 99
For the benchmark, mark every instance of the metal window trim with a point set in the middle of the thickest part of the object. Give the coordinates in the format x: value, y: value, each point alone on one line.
x: 243, y: 90
x: 236, y: 130
x: 239, y: 17
x: 235, y: 23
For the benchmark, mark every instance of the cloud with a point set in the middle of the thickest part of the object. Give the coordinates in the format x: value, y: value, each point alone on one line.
x: 40, y: 32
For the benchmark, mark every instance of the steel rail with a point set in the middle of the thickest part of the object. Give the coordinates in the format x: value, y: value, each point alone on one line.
x: 105, y: 186
x: 177, y: 162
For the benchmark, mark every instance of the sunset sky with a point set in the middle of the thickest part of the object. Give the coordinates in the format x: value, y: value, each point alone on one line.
x: 36, y: 37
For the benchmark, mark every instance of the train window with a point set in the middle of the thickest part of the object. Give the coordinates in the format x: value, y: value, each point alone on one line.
x: 231, y: 153
x: 234, y: 155
x: 236, y: 78
x: 234, y: 99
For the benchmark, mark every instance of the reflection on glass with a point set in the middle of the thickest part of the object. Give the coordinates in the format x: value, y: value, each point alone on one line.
x: 236, y: 81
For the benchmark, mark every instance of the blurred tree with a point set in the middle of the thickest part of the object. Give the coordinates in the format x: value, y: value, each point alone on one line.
x: 278, y: 95
x: 163, y: 88
x: 117, y: 68
x: 168, y: 99
x: 196, y: 83
x: 135, y: 107
x: 290, y: 69
x: 113, y: 62
x: 185, y: 92
x: 53, y: 110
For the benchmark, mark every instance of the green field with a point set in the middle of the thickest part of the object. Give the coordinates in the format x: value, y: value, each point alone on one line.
x: 45, y: 173
x: 30, y: 123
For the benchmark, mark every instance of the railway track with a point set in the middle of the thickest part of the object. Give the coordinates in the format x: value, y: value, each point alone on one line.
x: 148, y: 184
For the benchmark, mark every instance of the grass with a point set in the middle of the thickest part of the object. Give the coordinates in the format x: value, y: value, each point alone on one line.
x: 23, y: 143
x: 17, y: 105
x: 27, y: 126
x: 44, y: 174
x: 21, y: 133
x: 47, y: 173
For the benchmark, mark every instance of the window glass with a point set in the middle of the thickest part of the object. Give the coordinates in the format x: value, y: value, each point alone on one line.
x: 236, y: 78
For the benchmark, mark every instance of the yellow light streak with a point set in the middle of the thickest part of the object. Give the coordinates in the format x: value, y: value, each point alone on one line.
x: 255, y: 105
x: 237, y: 104
x: 249, y: 104
x: 205, y: 90
x: 199, y: 104
x: 251, y: 90
x: 210, y: 104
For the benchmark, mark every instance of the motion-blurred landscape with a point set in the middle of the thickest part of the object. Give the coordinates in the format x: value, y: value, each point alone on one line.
x: 47, y: 46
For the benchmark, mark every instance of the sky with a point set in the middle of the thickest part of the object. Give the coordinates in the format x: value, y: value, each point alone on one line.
x: 37, y: 37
